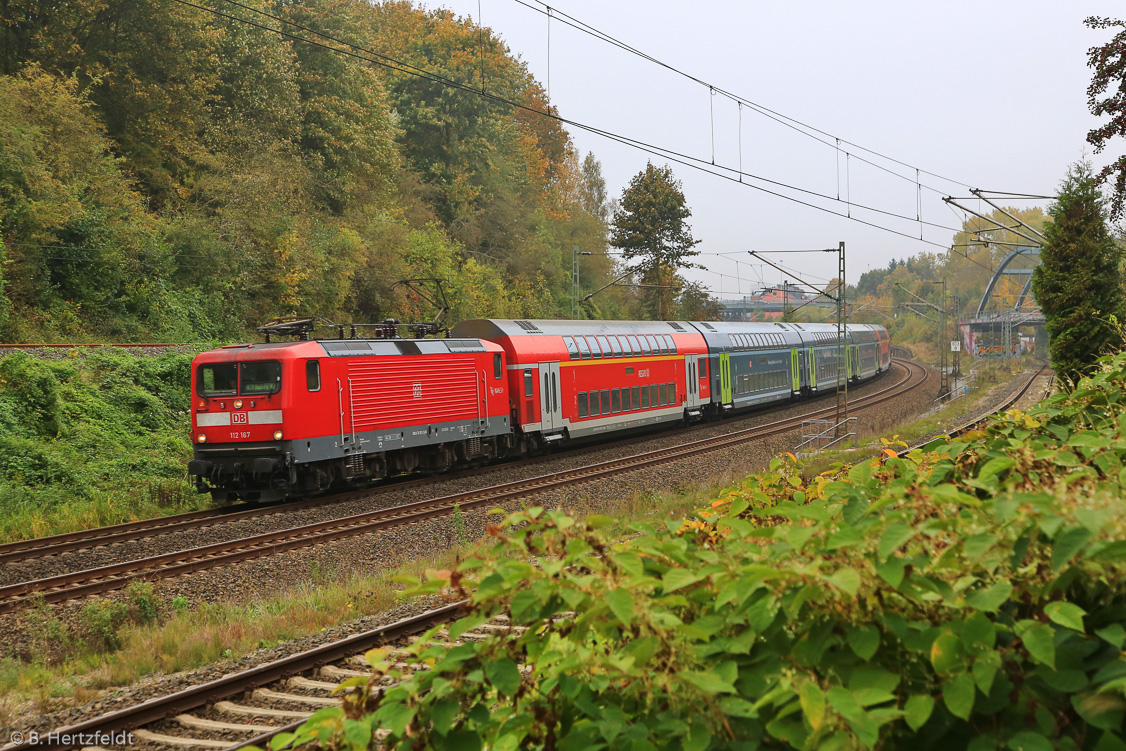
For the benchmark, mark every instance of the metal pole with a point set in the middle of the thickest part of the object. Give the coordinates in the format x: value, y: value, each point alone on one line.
x: 574, y: 282
x: 842, y: 346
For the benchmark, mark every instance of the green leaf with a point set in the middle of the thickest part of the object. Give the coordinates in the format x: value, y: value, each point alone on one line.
x: 864, y: 641
x: 918, y: 710
x: 978, y: 633
x: 892, y: 571
x: 1066, y: 614
x: 1068, y: 545
x: 947, y: 652
x: 812, y: 700
x: 1102, y: 710
x: 676, y: 578
x: 357, y: 734
x: 1029, y: 741
x: 958, y: 694
x: 708, y: 681
x: 847, y: 580
x: 621, y: 605
x: 1114, y: 634
x: 991, y: 598
x: 442, y: 714
x: 893, y: 538
x: 504, y: 675
x: 1038, y: 639
x: 985, y: 670
x: 994, y: 466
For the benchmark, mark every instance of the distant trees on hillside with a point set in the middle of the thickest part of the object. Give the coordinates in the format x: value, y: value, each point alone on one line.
x: 167, y: 172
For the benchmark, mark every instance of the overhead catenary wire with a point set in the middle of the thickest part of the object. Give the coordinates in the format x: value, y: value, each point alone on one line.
x: 774, y: 115
x: 669, y: 154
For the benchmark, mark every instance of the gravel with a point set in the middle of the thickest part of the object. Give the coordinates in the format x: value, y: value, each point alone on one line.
x: 371, y: 553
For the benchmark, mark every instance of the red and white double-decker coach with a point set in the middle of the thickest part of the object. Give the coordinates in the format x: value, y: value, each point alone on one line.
x: 582, y: 378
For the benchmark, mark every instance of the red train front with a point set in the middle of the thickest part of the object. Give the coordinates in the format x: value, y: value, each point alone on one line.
x: 296, y: 418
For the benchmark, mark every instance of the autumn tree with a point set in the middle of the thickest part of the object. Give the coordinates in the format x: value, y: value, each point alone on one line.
x: 650, y: 229
x: 1077, y: 283
x: 1106, y: 95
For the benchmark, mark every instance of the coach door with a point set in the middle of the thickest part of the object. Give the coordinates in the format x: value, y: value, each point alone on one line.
x: 692, y: 380
x: 812, y: 368
x: 795, y: 371
x: 725, y: 378
x: 551, y: 409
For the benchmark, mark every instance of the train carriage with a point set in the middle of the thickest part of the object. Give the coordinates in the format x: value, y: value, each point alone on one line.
x: 752, y: 363
x: 572, y: 379
x: 273, y: 419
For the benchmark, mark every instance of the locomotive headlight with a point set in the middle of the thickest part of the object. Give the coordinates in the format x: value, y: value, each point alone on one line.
x: 201, y: 438
x: 238, y: 403
x: 277, y: 435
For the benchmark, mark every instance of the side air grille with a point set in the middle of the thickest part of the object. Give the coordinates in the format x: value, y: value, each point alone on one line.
x: 528, y: 326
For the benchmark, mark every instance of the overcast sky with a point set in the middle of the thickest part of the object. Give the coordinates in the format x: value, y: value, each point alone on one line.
x: 991, y: 95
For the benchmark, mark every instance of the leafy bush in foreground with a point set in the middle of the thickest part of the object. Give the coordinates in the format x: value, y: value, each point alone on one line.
x: 968, y: 596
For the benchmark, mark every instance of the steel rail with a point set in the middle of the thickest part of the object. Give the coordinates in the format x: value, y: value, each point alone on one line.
x: 115, y: 576
x: 977, y: 421
x: 159, y: 708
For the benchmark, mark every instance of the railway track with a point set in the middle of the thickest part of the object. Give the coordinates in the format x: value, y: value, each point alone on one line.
x: 118, y: 533
x: 248, y: 707
x: 980, y: 419
x: 78, y: 584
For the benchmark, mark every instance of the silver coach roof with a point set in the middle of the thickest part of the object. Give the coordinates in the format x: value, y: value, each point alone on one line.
x: 488, y: 328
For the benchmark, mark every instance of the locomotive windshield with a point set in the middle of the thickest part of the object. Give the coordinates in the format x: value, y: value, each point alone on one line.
x: 219, y: 379
x: 260, y: 378
x: 247, y: 379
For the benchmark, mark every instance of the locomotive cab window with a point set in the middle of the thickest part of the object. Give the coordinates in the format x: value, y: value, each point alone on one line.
x: 313, y: 375
x: 259, y: 378
x: 219, y: 379
x: 498, y: 369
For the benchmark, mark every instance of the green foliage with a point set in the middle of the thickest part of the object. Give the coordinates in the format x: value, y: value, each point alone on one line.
x: 650, y: 226
x: 966, y: 596
x: 1078, y: 284
x: 102, y: 620
x: 1107, y: 96
x: 97, y: 438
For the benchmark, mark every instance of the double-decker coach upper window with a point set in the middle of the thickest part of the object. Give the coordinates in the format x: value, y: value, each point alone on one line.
x: 218, y: 379
x: 259, y: 378
x: 313, y: 375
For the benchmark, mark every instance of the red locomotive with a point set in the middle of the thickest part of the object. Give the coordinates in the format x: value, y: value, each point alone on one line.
x: 273, y: 420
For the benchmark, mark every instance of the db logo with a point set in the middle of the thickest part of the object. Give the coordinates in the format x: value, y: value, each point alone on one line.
x: 418, y: 391
x: 239, y: 418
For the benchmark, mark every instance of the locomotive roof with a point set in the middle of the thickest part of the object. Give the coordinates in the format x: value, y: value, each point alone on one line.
x: 350, y: 348
x: 487, y: 328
